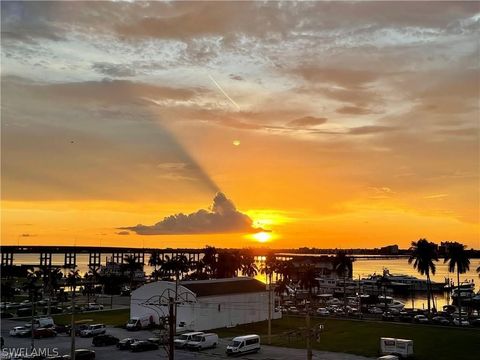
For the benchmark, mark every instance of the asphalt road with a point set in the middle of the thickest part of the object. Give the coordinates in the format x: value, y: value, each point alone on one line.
x: 61, y: 344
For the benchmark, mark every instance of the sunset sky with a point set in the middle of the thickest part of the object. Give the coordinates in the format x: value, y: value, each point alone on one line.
x: 320, y: 124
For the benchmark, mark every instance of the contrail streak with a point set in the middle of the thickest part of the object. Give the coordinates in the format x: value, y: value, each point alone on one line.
x: 224, y: 93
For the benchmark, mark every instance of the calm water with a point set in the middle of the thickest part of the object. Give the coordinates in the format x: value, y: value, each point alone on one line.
x: 361, y: 268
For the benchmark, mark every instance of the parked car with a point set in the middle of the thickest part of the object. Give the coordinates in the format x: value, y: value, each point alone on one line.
x: 475, y: 322
x: 43, y: 333
x: 20, y: 331
x: 421, y: 319
x: 182, y: 340
x: 104, y: 340
x: 78, y: 329
x: 387, y: 316
x: 440, y: 320
x: 82, y: 354
x: 244, y: 344
x: 92, y: 307
x: 24, y: 311
x: 375, y: 310
x: 204, y: 341
x: 323, y: 312
x: 53, y: 310
x: 143, y: 345
x: 464, y: 322
x: 293, y: 310
x: 405, y: 316
x: 93, y: 330
x: 124, y: 344
x: 139, y: 322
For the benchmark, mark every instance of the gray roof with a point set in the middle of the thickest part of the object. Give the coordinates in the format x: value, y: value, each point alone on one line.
x: 224, y: 286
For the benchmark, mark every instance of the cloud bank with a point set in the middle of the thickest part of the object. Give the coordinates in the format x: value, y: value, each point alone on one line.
x: 222, y: 217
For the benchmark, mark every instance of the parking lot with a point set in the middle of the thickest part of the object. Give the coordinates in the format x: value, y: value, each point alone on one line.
x: 61, y: 344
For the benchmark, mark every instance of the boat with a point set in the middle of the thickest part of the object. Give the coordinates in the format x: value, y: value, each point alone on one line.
x: 466, y: 293
x: 390, y: 302
x: 402, y: 282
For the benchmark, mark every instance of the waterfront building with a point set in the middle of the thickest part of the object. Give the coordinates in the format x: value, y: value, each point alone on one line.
x: 205, y: 304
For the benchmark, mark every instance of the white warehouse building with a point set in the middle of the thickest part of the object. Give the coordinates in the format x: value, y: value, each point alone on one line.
x: 205, y: 304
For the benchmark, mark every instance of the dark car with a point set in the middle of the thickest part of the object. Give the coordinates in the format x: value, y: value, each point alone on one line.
x: 44, y: 333
x: 124, y: 344
x: 104, y: 340
x: 24, y: 311
x: 78, y: 329
x: 143, y: 345
x: 475, y: 322
x: 53, y: 310
x: 386, y: 316
x: 405, y: 316
x: 82, y: 354
x: 440, y: 320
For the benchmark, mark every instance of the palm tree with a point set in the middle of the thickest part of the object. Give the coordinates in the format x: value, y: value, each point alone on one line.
x: 343, y: 265
x: 423, y: 255
x: 131, y: 265
x: 269, y: 266
x: 229, y: 262
x: 248, y: 265
x: 155, y: 261
x: 458, y: 259
x: 307, y: 279
x: 210, y: 261
x: 73, y: 278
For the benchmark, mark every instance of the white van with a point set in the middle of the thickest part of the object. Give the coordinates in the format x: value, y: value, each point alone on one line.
x: 139, y: 322
x: 401, y: 347
x: 244, y: 344
x: 43, y: 322
x: 93, y: 330
x: 204, y: 341
x: 182, y: 340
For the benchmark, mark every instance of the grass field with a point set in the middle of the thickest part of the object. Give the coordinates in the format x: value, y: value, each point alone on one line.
x: 108, y: 317
x: 363, y: 338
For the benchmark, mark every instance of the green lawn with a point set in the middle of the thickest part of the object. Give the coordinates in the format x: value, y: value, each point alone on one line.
x: 363, y: 338
x: 108, y: 317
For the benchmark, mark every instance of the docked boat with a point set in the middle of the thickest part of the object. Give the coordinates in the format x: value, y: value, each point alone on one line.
x: 402, y: 283
x: 466, y: 293
x: 390, y: 302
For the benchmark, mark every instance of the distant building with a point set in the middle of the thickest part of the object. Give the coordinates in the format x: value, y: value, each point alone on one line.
x: 205, y: 304
x: 324, y: 266
x: 389, y: 250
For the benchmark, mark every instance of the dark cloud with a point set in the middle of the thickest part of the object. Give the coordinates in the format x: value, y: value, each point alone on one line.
x: 27, y: 235
x: 372, y: 129
x: 114, y: 70
x: 307, y: 121
x: 106, y: 91
x: 236, y: 77
x: 347, y: 78
x: 353, y: 110
x: 123, y: 232
x: 222, y: 217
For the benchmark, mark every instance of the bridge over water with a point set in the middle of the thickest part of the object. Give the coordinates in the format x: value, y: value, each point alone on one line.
x: 117, y: 254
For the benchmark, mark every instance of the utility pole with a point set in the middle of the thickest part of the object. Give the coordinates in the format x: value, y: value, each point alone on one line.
x: 171, y: 326
x: 269, y: 337
x: 309, y: 334
x: 72, y: 326
x: 33, y: 298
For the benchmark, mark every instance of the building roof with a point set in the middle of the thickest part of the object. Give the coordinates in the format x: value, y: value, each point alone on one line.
x: 224, y: 286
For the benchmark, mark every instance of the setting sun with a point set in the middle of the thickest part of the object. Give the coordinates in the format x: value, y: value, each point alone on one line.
x: 262, y: 236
